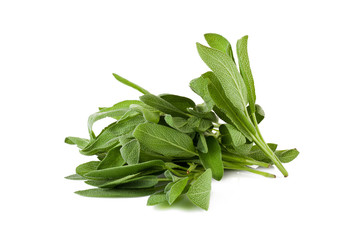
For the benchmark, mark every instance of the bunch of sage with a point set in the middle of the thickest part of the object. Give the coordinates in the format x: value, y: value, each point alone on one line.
x: 166, y: 145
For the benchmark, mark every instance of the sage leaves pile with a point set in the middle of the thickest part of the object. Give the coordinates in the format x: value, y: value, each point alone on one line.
x: 165, y: 146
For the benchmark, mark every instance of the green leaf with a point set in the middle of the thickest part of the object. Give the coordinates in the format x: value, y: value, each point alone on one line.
x: 150, y: 114
x: 111, y: 193
x: 164, y: 140
x: 259, y: 113
x: 200, y: 87
x: 225, y: 70
x: 130, y: 84
x: 75, y: 177
x: 231, y: 136
x: 201, y: 145
x: 220, y: 43
x: 180, y: 102
x: 257, y: 154
x: 79, y: 142
x: 162, y: 105
x: 170, y: 176
x: 212, y: 159
x: 286, y: 156
x: 140, y: 182
x: 109, y: 137
x: 244, y: 66
x: 176, y: 190
x: 112, y: 183
x: 205, y: 115
x: 112, y: 159
x: 84, y: 168
x: 131, y: 152
x: 156, y: 199
x: 119, y: 172
x: 178, y: 123
x: 226, y: 110
x: 116, y: 111
x: 199, y: 191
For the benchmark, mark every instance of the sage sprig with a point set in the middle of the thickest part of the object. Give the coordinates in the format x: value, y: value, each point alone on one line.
x: 166, y: 146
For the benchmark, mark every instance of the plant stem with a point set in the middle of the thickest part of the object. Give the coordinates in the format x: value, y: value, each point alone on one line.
x: 269, y: 153
x: 249, y: 169
x: 244, y: 160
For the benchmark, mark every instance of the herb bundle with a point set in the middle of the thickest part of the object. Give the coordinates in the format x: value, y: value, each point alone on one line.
x: 166, y: 146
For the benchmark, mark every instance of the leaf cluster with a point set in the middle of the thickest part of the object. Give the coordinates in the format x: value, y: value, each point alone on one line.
x: 165, y: 146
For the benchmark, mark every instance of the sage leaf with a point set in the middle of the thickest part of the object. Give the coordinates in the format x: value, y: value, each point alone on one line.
x: 199, y: 191
x: 162, y: 105
x: 231, y: 136
x: 287, y: 156
x: 115, y: 193
x: 84, y: 168
x: 75, y: 177
x: 140, y: 182
x: 180, y: 102
x: 201, y: 145
x: 225, y: 70
x: 130, y: 84
x: 119, y: 172
x: 220, y: 43
x: 259, y: 113
x: 112, y: 159
x: 156, y: 198
x: 226, y: 108
x: 79, y: 142
x: 150, y: 114
x: 131, y: 152
x: 212, y: 159
x: 164, y: 140
x: 116, y: 112
x: 244, y: 66
x: 109, y: 137
x: 200, y: 87
x: 176, y: 190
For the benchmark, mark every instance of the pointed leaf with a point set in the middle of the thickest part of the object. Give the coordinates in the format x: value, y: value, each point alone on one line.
x: 244, y: 65
x: 131, y: 152
x: 79, y: 142
x: 116, y: 111
x: 220, y: 43
x: 225, y: 107
x: 199, y: 86
x: 110, y: 193
x: 75, y: 177
x: 228, y: 75
x: 201, y: 145
x: 162, y: 105
x: 112, y: 159
x: 164, y: 140
x: 286, y: 156
x: 109, y: 137
x: 180, y: 102
x: 176, y: 190
x: 84, y: 168
x: 119, y: 172
x: 130, y: 84
x: 199, y: 191
x: 212, y: 159
x: 231, y: 136
x: 156, y: 199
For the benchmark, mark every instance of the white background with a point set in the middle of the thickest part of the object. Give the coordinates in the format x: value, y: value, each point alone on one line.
x: 56, y: 60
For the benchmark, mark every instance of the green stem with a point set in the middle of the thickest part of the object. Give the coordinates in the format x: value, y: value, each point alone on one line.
x: 269, y: 153
x: 249, y: 169
x: 244, y: 160
x: 253, y: 116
